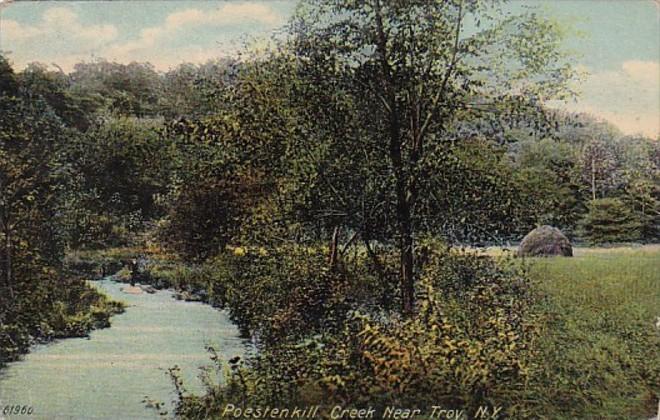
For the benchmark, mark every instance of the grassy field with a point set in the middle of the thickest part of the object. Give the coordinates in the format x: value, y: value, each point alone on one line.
x: 601, y: 347
x: 599, y: 350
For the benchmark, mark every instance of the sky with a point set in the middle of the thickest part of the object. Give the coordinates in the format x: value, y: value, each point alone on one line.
x: 616, y: 42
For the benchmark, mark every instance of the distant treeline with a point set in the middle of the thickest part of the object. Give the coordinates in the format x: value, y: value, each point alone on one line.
x: 123, y: 127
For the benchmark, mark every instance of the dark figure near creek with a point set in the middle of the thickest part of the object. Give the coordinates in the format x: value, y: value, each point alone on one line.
x: 134, y: 270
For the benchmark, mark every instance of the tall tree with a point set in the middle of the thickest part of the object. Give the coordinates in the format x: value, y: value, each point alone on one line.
x: 30, y: 132
x: 418, y: 67
x: 600, y: 167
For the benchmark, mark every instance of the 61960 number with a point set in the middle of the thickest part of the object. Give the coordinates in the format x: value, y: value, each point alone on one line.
x: 17, y: 410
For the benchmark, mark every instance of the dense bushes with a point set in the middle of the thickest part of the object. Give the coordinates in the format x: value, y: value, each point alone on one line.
x: 486, y: 333
x: 285, y: 294
x: 470, y: 343
x: 39, y: 300
x: 201, y: 221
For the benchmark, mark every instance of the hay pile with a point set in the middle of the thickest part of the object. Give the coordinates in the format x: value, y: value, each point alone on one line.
x: 545, y: 241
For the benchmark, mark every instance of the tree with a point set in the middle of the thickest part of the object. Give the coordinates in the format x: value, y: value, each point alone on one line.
x: 547, y: 173
x: 641, y: 173
x: 610, y: 220
x: 8, y: 82
x: 53, y: 87
x: 30, y: 133
x: 191, y: 90
x: 124, y: 89
x: 118, y: 168
x: 600, y: 167
x: 413, y: 71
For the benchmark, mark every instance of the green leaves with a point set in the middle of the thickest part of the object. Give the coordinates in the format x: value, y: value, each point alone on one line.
x: 610, y: 220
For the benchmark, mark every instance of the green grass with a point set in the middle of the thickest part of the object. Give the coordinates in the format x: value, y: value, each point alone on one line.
x: 600, y: 348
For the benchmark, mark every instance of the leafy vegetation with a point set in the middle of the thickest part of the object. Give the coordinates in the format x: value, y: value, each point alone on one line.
x: 320, y: 191
x: 610, y: 220
x: 39, y: 300
x: 469, y: 344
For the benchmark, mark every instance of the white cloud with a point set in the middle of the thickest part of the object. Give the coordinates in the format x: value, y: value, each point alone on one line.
x: 62, y: 37
x: 645, y: 71
x: 184, y: 17
x: 13, y: 30
x: 628, y: 122
x: 228, y: 14
x: 154, y: 38
x: 59, y: 23
x: 629, y: 97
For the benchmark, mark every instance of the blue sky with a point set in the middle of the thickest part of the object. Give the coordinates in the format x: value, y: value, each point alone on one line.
x: 617, y: 42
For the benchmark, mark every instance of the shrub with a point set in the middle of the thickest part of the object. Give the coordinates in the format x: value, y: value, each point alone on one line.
x: 470, y: 343
x: 205, y: 217
x: 47, y: 308
x: 610, y: 220
x: 281, y: 294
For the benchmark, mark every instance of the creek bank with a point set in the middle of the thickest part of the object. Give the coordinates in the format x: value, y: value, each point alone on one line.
x: 70, y: 309
x: 148, y: 271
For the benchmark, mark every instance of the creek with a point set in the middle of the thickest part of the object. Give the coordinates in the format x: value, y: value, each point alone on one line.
x: 108, y: 374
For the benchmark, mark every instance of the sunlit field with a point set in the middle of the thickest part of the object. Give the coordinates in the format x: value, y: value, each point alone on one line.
x: 602, y: 349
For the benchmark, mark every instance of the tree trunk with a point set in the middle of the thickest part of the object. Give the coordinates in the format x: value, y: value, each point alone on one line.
x: 407, y: 273
x: 8, y: 263
x: 402, y: 179
x: 332, y: 260
x: 593, y: 178
x: 375, y: 261
x: 404, y: 221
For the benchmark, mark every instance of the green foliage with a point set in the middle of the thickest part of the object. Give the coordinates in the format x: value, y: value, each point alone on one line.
x: 286, y: 293
x: 412, y: 77
x: 125, y: 90
x: 475, y: 196
x: 191, y: 90
x: 53, y: 87
x: 118, y: 168
x: 545, y: 172
x: 481, y: 336
x: 38, y: 301
x: 586, y: 158
x: 8, y: 82
x: 97, y: 263
x: 469, y: 344
x: 30, y: 171
x: 610, y: 220
x: 126, y: 162
x: 203, y: 220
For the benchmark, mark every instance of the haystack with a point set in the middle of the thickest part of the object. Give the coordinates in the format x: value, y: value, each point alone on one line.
x: 545, y: 241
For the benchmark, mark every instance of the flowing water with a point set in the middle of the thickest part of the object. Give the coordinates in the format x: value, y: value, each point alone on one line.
x: 107, y: 375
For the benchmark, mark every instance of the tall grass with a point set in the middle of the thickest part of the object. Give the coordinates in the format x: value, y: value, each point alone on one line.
x: 601, y: 348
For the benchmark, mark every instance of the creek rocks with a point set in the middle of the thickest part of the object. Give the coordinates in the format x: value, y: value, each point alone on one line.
x: 187, y: 296
x: 148, y: 289
x: 132, y: 290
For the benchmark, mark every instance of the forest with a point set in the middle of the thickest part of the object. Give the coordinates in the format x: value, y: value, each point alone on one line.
x: 335, y: 192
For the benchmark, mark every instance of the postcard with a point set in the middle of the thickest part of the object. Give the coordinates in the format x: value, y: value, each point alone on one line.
x: 330, y: 209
